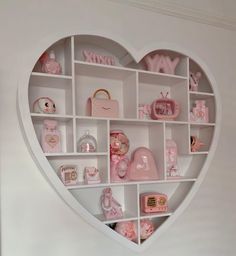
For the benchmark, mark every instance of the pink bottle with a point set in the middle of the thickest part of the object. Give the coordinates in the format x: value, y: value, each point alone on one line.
x: 171, y: 159
x: 50, y: 65
x: 50, y: 139
x: 199, y: 113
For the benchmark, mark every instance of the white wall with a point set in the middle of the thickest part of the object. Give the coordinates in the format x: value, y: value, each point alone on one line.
x: 34, y: 220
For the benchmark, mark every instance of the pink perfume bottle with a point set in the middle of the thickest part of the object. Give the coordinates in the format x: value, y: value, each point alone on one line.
x: 50, y: 65
x: 199, y: 113
x: 50, y: 139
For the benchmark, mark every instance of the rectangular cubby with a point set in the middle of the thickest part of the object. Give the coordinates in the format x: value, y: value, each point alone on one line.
x: 90, y: 199
x: 120, y: 83
x: 175, y: 191
x: 65, y: 127
x: 95, y: 127
x: 144, y: 134
x: 59, y: 89
x: 153, y: 85
x: 209, y: 103
x: 204, y: 134
x: 63, y: 54
x: 204, y: 85
x: 98, y: 161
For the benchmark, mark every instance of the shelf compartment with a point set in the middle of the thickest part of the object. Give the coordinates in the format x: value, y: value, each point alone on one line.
x: 204, y: 134
x: 58, y: 88
x: 125, y: 195
x: 99, y: 161
x: 175, y: 192
x: 204, y: 84
x: 97, y: 128
x: 144, y: 134
x: 157, y: 223
x: 152, y: 85
x: 120, y: 83
x: 65, y: 126
x: 62, y: 50
x: 210, y: 103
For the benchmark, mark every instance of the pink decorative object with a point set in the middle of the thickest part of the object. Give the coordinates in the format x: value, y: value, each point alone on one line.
x: 87, y: 143
x: 91, y: 175
x: 110, y: 207
x: 153, y: 202
x: 143, y: 165
x: 102, y: 107
x: 171, y: 158
x: 165, y: 108
x: 144, y: 111
x: 50, y: 139
x: 44, y: 105
x: 194, y: 81
x: 68, y: 174
x: 161, y: 63
x: 49, y: 63
x: 119, y: 146
x: 196, y: 144
x: 96, y: 58
x: 146, y: 228
x: 199, y: 113
x: 127, y: 229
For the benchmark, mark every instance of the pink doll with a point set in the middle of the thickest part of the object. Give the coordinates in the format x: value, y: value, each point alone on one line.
x: 119, y: 146
x: 127, y: 229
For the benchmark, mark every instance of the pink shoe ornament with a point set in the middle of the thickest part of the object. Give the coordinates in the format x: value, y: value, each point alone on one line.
x: 165, y: 108
x: 127, y: 229
x: 91, y: 175
x: 44, y: 105
x: 110, y: 207
x: 161, y: 63
x: 68, y: 174
x: 199, y: 113
x: 50, y: 138
x: 171, y: 159
x: 119, y: 146
x: 144, y: 111
x: 146, y: 228
x: 194, y: 81
x: 49, y: 64
x: 153, y: 202
x: 196, y: 144
x: 143, y: 165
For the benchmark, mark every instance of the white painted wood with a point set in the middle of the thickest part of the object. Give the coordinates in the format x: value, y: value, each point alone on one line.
x: 130, y: 87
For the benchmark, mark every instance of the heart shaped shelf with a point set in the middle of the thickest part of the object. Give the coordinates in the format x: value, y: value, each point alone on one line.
x: 89, y: 63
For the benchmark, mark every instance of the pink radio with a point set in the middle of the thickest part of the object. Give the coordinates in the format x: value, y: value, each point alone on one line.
x: 153, y: 202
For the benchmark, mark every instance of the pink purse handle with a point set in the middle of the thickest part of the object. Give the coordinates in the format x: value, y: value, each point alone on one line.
x: 102, y: 90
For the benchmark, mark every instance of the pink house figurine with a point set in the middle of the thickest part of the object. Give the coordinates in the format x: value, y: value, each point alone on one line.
x: 68, y: 174
x: 50, y: 138
x: 110, y: 207
x: 199, y: 113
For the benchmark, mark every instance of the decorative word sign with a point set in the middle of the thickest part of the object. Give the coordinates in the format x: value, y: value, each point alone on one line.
x: 96, y: 58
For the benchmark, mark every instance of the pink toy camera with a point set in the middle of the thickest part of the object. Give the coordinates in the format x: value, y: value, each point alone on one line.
x: 153, y: 202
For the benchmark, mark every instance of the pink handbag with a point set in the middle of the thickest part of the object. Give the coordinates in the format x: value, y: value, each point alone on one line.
x: 102, y: 107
